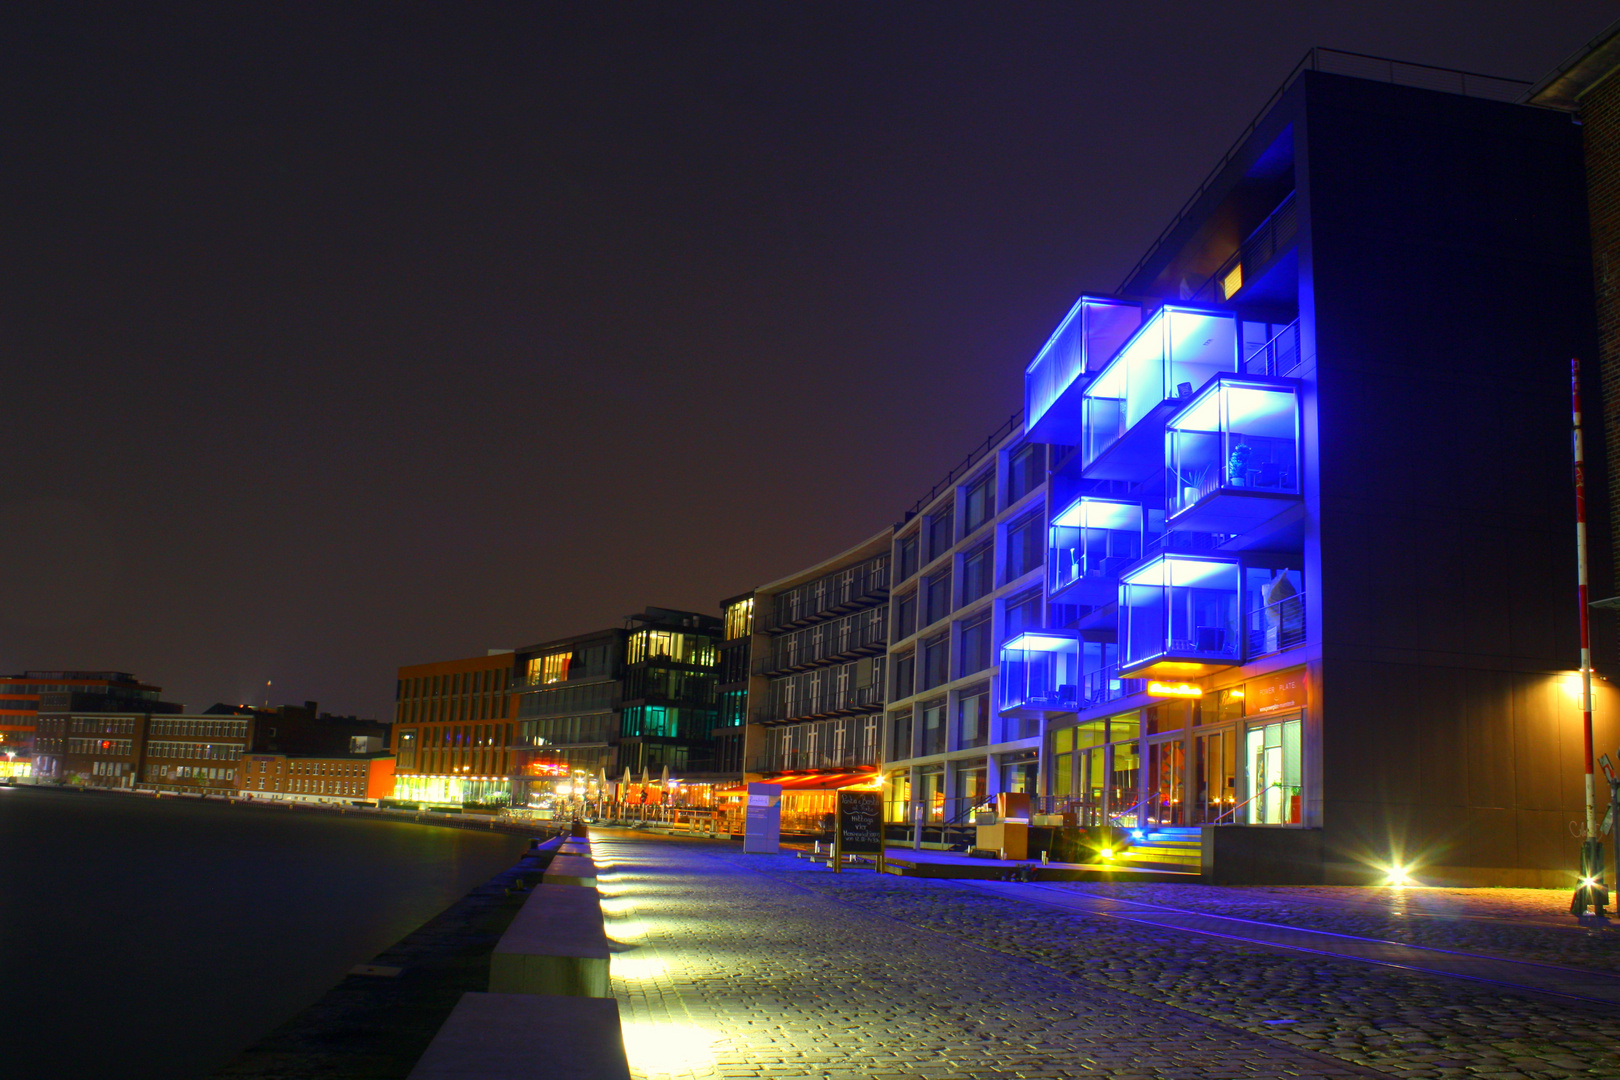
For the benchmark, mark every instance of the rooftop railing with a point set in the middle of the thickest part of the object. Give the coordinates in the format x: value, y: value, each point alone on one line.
x: 1356, y: 65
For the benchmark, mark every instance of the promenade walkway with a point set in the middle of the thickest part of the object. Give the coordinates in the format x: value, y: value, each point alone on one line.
x: 741, y: 966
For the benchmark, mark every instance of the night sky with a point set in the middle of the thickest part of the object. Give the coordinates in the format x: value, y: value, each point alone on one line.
x: 343, y: 337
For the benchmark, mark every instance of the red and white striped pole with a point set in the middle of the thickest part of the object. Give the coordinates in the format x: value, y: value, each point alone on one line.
x: 1590, y: 893
x: 1586, y: 629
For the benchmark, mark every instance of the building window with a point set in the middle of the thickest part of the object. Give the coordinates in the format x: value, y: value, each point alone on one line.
x: 905, y: 673
x: 900, y: 735
x: 1023, y: 613
x: 975, y: 644
x: 941, y: 531
x: 740, y: 619
x: 979, y: 503
x: 906, y: 556
x: 973, y: 718
x: 938, y: 598
x: 1025, y: 468
x: 933, y: 726
x: 936, y: 652
x: 905, y: 617
x: 978, y: 572
x: 1024, y: 545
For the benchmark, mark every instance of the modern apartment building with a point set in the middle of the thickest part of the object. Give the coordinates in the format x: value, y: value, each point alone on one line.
x: 968, y: 566
x: 1310, y: 571
x: 817, y: 683
x: 453, y: 731
x: 634, y: 700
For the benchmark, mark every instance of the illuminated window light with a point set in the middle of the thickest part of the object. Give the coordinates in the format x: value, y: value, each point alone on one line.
x: 1182, y: 690
x: 1232, y: 282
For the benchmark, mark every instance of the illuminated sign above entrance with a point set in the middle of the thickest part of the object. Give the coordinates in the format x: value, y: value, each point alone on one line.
x: 1181, y: 689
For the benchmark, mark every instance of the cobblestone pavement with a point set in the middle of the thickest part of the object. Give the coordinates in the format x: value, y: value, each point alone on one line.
x: 1520, y: 924
x: 742, y: 966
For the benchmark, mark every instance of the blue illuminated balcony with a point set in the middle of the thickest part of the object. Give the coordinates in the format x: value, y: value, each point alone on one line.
x: 1091, y: 542
x: 1084, y: 341
x: 1040, y: 673
x: 1178, y: 617
x: 1232, y: 455
x: 1164, y: 364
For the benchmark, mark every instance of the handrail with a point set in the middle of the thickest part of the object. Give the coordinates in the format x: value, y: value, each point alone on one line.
x: 1113, y: 821
x: 967, y: 815
x: 1012, y: 424
x: 1246, y: 802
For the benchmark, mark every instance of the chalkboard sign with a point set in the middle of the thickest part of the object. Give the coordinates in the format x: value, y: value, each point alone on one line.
x: 860, y: 825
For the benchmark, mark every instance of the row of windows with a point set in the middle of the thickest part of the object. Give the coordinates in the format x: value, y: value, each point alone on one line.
x: 312, y: 768
x: 593, y: 728
x: 457, y: 735
x: 670, y: 722
x: 1025, y: 552
x: 671, y: 684
x: 210, y: 751
x: 828, y: 689
x: 111, y: 768
x: 109, y: 747
x: 585, y: 662
x: 831, y: 638
x: 199, y: 729
x: 451, y: 710
x: 1026, y: 470
x: 739, y: 619
x: 926, y: 729
x: 112, y: 725
x: 672, y: 645
x: 830, y: 590
x: 455, y: 684
x: 568, y: 699
x: 823, y: 744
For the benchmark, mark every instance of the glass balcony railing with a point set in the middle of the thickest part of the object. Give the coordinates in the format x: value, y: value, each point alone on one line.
x: 1040, y: 672
x: 1179, y: 616
x: 1173, y: 356
x: 1084, y: 341
x: 1231, y: 453
x: 1091, y: 541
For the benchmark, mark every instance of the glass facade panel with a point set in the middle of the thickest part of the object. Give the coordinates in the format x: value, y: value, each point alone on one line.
x: 1024, y: 545
x: 1023, y: 612
x: 1040, y: 671
x: 979, y: 503
x: 905, y: 610
x: 941, y: 531
x: 1180, y: 607
x: 1093, y: 539
x: 933, y: 727
x: 978, y: 573
x: 975, y: 645
x: 1026, y: 468
x: 936, y: 658
x: 1272, y: 763
x: 937, y: 598
x: 906, y: 556
x: 973, y: 718
x: 1237, y: 436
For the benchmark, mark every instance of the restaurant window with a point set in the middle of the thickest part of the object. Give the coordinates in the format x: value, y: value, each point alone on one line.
x: 979, y: 503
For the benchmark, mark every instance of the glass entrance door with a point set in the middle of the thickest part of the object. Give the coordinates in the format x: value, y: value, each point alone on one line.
x: 1272, y: 761
x: 1166, y: 774
x: 1213, y: 783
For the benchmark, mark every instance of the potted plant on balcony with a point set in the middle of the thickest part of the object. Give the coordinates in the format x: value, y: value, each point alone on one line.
x: 1237, y: 465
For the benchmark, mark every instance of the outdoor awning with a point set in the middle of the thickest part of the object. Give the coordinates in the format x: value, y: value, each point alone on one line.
x: 821, y: 781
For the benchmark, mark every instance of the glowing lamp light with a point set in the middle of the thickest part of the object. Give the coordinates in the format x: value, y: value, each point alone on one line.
x: 1399, y: 876
x: 1106, y: 853
x: 1589, y: 883
x: 669, y: 1048
x: 1164, y: 689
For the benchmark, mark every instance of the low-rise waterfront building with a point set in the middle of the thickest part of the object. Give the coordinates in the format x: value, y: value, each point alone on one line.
x: 24, y: 697
x: 324, y: 778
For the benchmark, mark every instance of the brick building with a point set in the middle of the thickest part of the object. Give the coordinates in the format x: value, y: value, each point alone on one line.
x: 453, y: 729
x: 317, y: 778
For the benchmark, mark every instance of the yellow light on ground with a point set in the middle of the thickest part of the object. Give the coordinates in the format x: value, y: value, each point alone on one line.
x: 634, y: 968
x: 669, y: 1048
x: 626, y: 930
x: 617, y: 907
